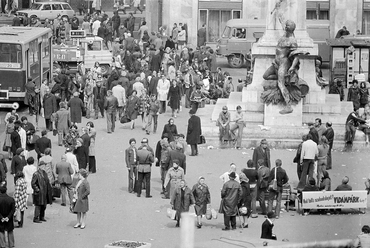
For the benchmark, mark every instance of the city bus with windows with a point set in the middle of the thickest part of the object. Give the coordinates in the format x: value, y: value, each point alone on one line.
x: 25, y: 52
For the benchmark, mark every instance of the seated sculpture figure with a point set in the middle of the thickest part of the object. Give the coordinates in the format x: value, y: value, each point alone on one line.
x: 284, y: 86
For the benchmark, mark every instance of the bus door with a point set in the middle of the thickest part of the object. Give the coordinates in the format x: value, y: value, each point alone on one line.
x: 33, y: 61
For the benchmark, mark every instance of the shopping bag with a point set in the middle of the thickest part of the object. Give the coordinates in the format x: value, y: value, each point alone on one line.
x: 17, y: 215
x: 202, y: 140
x: 214, y: 213
x: 56, y: 190
x: 208, y: 212
x: 171, y: 213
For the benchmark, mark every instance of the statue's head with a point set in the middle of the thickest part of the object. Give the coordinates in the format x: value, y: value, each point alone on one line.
x: 290, y: 26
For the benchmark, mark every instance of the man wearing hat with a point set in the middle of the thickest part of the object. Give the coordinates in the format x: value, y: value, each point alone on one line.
x: 231, y: 193
x: 194, y: 132
x: 146, y: 158
x: 267, y: 226
x: 42, y: 143
x: 18, y: 162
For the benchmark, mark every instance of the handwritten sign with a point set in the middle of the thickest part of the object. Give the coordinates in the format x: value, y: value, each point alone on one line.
x: 334, y: 199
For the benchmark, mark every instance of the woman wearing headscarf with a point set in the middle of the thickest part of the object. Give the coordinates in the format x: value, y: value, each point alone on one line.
x: 223, y: 123
x: 20, y: 195
x: 170, y: 129
x: 9, y: 130
x: 82, y: 154
x: 202, y: 198
x: 245, y: 203
x: 81, y: 198
x: 181, y: 200
x: 92, y: 135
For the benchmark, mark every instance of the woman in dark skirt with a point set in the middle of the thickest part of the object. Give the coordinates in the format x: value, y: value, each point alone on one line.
x: 245, y: 203
x: 82, y: 154
x: 174, y: 97
x: 202, y: 198
x: 81, y: 198
x: 92, y: 135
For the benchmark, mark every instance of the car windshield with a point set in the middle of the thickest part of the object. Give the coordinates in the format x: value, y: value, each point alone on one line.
x: 36, y: 6
x: 226, y: 32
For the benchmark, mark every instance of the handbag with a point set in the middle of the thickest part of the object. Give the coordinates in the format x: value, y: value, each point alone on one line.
x: 202, y: 140
x: 125, y: 119
x: 171, y: 213
x: 273, y: 184
x: 17, y: 215
x: 72, y: 206
x: 209, y: 212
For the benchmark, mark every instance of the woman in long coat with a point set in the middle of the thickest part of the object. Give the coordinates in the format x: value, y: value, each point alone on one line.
x: 50, y: 107
x: 76, y: 106
x: 20, y: 195
x: 181, y: 200
x: 42, y: 192
x: 92, y: 134
x: 133, y: 105
x: 173, y: 177
x: 15, y: 139
x: 9, y: 130
x: 81, y: 198
x: 174, y: 97
x: 82, y: 154
x: 202, y: 198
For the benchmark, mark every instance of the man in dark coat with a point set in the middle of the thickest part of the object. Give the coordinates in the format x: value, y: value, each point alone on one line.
x: 313, y: 132
x: 262, y: 152
x: 153, y: 84
x: 30, y: 131
x: 267, y: 226
x: 15, y: 139
x: 18, y: 162
x: 329, y: 134
x: 231, y: 193
x: 99, y: 93
x: 50, y: 107
x: 42, y: 143
x: 179, y: 155
x: 110, y: 105
x: 42, y: 194
x: 194, y: 132
x: 7, y: 209
x: 202, y: 33
x: 76, y: 107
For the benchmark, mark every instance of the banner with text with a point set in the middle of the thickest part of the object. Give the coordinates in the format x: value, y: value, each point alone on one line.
x: 334, y: 199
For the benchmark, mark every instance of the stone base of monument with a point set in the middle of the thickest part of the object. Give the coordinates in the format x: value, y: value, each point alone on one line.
x: 128, y: 244
x: 272, y: 116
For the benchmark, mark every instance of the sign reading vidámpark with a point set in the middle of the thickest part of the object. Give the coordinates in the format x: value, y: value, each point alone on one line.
x: 334, y: 199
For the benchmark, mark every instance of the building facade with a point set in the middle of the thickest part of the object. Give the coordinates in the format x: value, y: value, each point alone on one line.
x: 354, y: 14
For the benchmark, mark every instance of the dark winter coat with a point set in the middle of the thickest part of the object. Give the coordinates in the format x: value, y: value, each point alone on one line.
x: 76, y: 106
x: 231, y: 194
x: 176, y: 202
x: 194, y: 130
x: 16, y: 141
x: 50, y: 105
x: 7, y: 209
x: 82, y: 156
x: 170, y: 130
x: 174, y: 97
x: 42, y: 193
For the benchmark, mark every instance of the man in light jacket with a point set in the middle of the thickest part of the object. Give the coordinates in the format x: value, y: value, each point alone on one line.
x: 64, y: 171
x: 120, y: 93
x: 308, y: 154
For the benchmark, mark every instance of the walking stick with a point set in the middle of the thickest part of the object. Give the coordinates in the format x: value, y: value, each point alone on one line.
x: 240, y: 219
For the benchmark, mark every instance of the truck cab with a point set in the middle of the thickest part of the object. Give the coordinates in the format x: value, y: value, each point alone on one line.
x: 88, y: 50
x: 239, y: 35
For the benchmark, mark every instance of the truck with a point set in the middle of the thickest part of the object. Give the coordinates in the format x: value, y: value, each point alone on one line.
x: 82, y: 48
x: 239, y: 35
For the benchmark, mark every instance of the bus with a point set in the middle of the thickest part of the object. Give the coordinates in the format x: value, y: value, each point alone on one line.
x: 25, y: 52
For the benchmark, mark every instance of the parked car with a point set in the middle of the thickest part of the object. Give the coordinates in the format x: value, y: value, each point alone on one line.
x: 49, y: 10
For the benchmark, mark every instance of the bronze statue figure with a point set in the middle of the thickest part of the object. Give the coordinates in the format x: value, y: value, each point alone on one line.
x: 283, y: 85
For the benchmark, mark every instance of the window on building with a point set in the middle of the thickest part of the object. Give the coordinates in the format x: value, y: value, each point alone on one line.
x: 318, y: 10
x: 366, y: 17
x: 237, y: 14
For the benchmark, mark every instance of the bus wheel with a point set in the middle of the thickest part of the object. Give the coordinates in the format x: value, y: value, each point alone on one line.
x: 235, y: 61
x: 104, y: 69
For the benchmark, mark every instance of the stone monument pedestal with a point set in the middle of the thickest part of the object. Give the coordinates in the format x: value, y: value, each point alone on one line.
x: 272, y: 117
